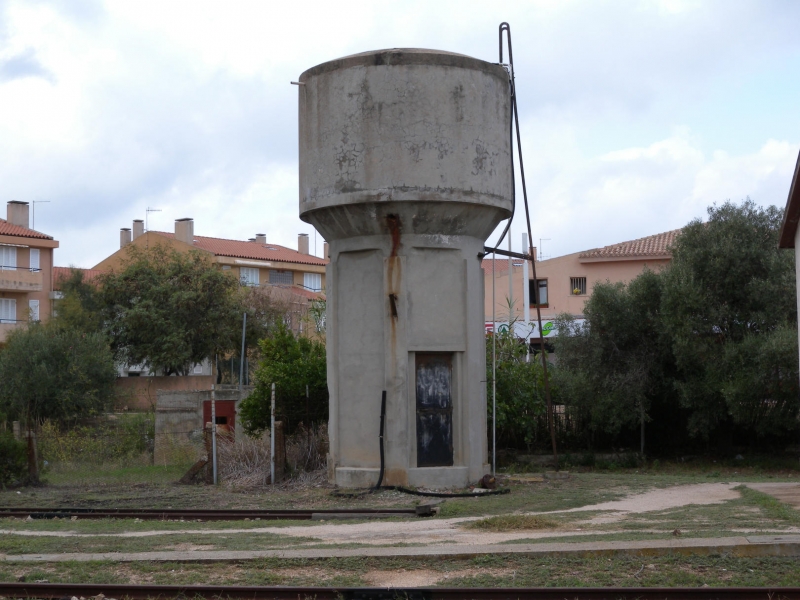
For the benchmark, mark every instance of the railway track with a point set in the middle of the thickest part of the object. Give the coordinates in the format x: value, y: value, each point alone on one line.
x: 159, y: 514
x: 214, y: 592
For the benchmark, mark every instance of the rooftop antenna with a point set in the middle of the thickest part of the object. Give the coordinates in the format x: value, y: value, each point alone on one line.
x: 541, y: 252
x: 35, y: 202
x: 147, y: 215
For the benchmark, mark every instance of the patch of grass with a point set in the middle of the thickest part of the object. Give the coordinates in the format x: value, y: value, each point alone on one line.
x: 513, y: 523
x: 17, y: 544
x: 772, y: 508
x: 69, y: 473
x: 495, y: 571
x: 99, y: 526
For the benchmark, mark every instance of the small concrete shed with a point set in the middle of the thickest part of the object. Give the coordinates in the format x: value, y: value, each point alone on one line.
x: 182, y: 415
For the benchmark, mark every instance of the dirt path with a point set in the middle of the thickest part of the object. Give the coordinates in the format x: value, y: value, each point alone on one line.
x: 788, y: 493
x: 451, y: 531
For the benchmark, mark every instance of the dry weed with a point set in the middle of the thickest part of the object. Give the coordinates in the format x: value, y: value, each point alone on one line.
x: 307, y: 449
x: 245, y: 461
x: 512, y: 523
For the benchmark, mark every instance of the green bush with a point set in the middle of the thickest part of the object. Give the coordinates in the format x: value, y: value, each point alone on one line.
x: 13, y: 460
x: 129, y: 437
x: 294, y: 364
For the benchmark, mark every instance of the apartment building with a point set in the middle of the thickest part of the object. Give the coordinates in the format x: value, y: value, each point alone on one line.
x: 564, y: 284
x: 26, y: 270
x: 253, y: 262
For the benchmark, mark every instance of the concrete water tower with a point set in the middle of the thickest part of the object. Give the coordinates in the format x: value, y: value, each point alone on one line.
x: 405, y: 169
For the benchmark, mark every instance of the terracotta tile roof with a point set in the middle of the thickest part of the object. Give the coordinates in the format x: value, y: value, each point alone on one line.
x: 652, y: 245
x: 7, y: 228
x: 251, y: 250
x: 60, y: 274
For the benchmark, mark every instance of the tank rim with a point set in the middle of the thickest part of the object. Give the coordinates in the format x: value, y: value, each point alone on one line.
x: 405, y: 57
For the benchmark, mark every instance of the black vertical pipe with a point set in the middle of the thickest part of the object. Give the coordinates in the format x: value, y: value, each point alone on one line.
x: 383, y: 419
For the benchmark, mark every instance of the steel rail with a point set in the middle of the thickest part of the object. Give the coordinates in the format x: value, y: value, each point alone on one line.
x: 163, y: 592
x: 207, y: 514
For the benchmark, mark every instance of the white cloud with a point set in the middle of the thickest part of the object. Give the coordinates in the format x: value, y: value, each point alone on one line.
x: 186, y: 106
x: 634, y: 192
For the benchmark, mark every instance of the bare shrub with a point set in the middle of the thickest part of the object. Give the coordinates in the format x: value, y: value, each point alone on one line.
x: 307, y: 449
x: 245, y: 461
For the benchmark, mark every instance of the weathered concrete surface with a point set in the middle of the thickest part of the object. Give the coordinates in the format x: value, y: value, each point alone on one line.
x: 405, y: 169
x: 753, y: 546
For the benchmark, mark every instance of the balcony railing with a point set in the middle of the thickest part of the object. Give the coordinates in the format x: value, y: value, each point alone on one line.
x: 20, y: 279
x: 14, y: 268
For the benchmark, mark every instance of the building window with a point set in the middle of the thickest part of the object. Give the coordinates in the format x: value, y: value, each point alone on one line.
x: 281, y: 277
x: 248, y: 276
x: 8, y: 310
x: 577, y: 286
x: 312, y: 281
x: 538, y: 291
x: 33, y: 310
x: 35, y: 265
x: 8, y: 258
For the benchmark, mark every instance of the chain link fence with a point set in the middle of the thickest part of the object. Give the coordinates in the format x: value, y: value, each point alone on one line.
x: 118, y: 448
x: 136, y: 450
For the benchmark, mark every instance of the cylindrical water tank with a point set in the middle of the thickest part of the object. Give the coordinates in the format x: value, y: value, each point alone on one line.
x: 405, y: 168
x: 410, y: 126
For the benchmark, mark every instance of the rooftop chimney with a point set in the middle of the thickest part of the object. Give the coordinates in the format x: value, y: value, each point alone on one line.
x: 302, y: 243
x: 138, y: 228
x: 251, y: 239
x: 17, y: 213
x: 261, y: 238
x: 184, y: 230
x: 124, y: 237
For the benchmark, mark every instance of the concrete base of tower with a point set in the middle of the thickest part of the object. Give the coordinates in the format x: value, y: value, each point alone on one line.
x: 425, y: 477
x: 439, y: 477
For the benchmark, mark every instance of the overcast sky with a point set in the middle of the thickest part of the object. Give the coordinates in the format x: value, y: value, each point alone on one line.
x: 635, y: 115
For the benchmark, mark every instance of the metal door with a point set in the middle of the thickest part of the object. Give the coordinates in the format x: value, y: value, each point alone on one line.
x: 225, y: 412
x: 434, y: 382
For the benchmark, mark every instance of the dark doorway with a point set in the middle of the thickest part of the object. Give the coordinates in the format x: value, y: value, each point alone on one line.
x: 434, y: 383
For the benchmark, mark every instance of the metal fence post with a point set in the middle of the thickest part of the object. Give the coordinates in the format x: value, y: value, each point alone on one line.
x: 272, y: 439
x: 214, y: 438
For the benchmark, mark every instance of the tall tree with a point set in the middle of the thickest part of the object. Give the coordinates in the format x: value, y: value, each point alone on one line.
x: 79, y: 307
x: 616, y: 366
x: 729, y: 299
x: 47, y: 372
x: 169, y: 310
